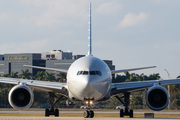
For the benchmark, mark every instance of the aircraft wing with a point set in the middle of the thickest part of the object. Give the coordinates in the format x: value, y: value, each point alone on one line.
x: 132, y: 69
x: 45, y: 68
x: 117, y: 88
x: 39, y: 85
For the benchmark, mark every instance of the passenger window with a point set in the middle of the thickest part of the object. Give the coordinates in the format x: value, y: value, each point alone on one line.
x: 92, y: 73
x: 85, y: 73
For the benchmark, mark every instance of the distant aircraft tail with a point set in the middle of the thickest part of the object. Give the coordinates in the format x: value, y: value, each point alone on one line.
x: 89, y: 31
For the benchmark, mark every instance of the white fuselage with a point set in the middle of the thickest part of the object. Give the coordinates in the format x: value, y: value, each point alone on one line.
x: 88, y: 78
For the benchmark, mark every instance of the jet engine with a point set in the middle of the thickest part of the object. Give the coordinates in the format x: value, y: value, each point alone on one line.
x: 157, y: 98
x: 21, y: 97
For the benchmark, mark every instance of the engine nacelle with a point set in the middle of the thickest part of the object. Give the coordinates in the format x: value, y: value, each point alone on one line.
x: 157, y: 97
x: 21, y: 97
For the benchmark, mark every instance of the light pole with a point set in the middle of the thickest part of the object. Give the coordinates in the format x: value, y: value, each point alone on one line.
x: 168, y: 90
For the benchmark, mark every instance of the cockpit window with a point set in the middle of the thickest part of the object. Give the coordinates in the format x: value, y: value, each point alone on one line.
x: 92, y: 73
x: 89, y: 73
x: 80, y: 72
x: 85, y: 73
x: 98, y: 73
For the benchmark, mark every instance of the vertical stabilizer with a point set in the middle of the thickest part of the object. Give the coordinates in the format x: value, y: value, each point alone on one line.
x: 89, y: 31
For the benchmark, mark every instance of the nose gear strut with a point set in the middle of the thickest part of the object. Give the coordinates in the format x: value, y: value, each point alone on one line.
x: 88, y: 113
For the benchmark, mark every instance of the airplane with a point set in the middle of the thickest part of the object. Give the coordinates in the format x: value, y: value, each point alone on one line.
x: 89, y: 80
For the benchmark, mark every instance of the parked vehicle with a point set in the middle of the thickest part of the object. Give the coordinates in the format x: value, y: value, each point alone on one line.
x: 120, y: 107
x: 83, y: 107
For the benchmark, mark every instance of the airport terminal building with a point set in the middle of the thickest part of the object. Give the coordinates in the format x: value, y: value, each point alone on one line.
x: 53, y: 59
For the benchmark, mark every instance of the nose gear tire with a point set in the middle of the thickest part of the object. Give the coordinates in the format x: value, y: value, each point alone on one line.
x: 91, y: 114
x: 86, y: 114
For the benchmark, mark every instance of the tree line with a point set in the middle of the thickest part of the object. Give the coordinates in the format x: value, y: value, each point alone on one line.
x: 127, y: 77
x: 137, y: 98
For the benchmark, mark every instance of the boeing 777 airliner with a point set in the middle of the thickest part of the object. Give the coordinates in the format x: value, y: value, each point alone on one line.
x: 89, y: 80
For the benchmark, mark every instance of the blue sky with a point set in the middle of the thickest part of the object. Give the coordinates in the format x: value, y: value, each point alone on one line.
x: 132, y: 33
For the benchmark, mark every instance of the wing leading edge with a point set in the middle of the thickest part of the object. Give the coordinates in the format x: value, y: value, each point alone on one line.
x: 45, y: 68
x: 46, y: 86
x: 132, y: 69
x: 117, y: 88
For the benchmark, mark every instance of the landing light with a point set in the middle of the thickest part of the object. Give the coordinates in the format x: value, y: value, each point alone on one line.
x: 89, y: 102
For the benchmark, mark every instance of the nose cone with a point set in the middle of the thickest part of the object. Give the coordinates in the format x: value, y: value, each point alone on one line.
x: 88, y: 87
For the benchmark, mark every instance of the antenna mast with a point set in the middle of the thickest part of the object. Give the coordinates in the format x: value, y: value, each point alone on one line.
x: 89, y: 31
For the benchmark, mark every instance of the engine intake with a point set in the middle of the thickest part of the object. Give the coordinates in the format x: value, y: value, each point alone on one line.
x: 157, y: 98
x: 21, y: 97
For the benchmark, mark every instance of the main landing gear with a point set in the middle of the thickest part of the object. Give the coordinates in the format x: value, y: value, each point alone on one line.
x: 88, y: 113
x: 52, y: 112
x: 126, y: 103
x: 52, y: 103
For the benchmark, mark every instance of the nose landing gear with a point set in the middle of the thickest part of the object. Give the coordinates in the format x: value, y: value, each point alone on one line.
x: 88, y: 113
